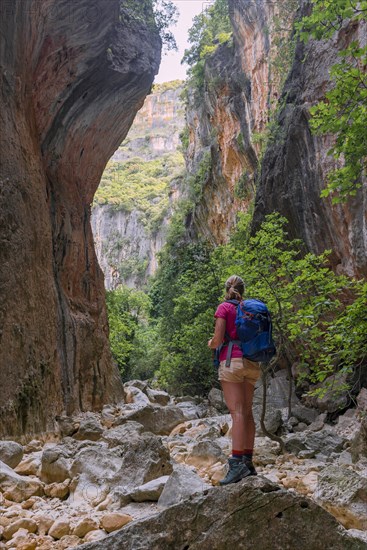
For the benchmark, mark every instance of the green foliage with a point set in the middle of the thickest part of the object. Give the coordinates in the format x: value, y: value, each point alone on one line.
x: 158, y: 14
x: 142, y: 185
x: 162, y: 87
x: 312, y: 323
x: 344, y: 110
x: 282, y: 42
x: 185, y: 294
x: 126, y: 308
x: 185, y: 138
x: 197, y: 181
x: 319, y: 318
x: 243, y: 188
x: 210, y: 28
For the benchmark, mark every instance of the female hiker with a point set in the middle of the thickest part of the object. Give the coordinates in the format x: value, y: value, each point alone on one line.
x: 237, y: 380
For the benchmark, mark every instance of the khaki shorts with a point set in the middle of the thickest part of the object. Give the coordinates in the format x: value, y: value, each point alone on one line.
x: 239, y: 370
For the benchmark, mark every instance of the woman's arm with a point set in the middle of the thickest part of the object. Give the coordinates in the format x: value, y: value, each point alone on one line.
x: 219, y: 333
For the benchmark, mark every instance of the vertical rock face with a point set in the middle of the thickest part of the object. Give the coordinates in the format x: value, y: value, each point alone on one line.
x: 244, y: 83
x: 241, y: 86
x: 219, y: 140
x: 295, y: 165
x: 73, y: 75
x: 127, y: 238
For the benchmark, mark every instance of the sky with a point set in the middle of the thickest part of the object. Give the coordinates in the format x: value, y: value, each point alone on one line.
x: 171, y: 68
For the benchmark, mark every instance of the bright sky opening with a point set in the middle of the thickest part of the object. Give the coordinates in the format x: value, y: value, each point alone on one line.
x: 171, y: 68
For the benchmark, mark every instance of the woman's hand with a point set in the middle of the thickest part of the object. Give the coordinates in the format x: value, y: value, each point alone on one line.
x: 209, y: 342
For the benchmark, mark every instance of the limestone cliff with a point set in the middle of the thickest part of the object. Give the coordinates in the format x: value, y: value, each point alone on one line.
x: 73, y: 75
x: 241, y: 86
x: 295, y: 165
x: 262, y: 71
x: 139, y: 187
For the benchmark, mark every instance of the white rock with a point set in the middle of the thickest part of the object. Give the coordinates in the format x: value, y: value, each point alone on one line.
x: 149, y: 491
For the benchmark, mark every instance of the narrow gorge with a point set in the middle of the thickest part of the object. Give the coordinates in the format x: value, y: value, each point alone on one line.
x: 124, y: 207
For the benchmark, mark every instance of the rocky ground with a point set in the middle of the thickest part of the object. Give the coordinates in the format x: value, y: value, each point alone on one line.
x: 100, y: 472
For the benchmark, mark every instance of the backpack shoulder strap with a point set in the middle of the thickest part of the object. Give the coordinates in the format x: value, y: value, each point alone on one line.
x: 234, y: 302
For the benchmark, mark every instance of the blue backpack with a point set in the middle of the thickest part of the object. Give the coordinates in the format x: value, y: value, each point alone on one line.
x: 254, y: 330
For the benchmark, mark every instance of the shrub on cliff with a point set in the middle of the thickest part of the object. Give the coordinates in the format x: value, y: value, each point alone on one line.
x: 344, y: 110
x: 210, y: 28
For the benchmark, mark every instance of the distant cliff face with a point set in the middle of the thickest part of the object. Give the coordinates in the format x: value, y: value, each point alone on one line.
x: 73, y: 75
x: 141, y: 182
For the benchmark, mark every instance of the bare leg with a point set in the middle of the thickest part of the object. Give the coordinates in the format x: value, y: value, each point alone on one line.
x: 238, y: 397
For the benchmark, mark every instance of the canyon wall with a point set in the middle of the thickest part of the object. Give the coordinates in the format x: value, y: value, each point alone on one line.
x: 127, y: 239
x: 73, y: 75
x: 225, y: 121
x: 295, y: 165
x: 259, y: 82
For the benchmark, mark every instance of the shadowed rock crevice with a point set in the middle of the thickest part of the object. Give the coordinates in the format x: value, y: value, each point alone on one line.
x: 74, y: 73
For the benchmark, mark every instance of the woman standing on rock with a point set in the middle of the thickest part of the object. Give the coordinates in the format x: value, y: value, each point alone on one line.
x: 238, y: 381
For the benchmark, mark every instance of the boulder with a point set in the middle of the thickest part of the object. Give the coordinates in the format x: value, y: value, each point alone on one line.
x: 190, y: 410
x: 136, y: 396
x: 144, y: 458
x: 43, y: 524
x: 112, y: 522
x: 205, y: 453
x: 331, y: 401
x: 149, y: 491
x: 358, y: 447
x: 254, y: 513
x: 133, y: 462
x: 57, y: 490
x: 84, y: 526
x: 343, y: 493
x: 216, y: 400
x: 15, y: 487
x: 90, y: 428
x: 33, y: 446
x: 96, y: 535
x: 156, y: 419
x: 182, y: 483
x: 123, y: 433
x: 55, y: 465
x: 324, y: 441
x: 96, y: 469
x: 24, y: 523
x: 140, y: 384
x: 11, y: 453
x: 60, y: 528
x: 67, y: 425
x: 305, y: 414
x: 158, y: 396
x: 29, y: 465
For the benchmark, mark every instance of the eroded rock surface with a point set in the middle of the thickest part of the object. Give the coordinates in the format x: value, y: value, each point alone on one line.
x: 254, y: 513
x: 129, y: 475
x: 73, y: 75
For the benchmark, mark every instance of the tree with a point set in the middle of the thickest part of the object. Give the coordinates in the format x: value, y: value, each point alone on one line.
x: 160, y: 14
x: 344, y: 110
x: 210, y: 28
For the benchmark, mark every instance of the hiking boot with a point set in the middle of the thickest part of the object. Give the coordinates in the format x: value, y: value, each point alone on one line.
x: 237, y: 470
x: 250, y: 466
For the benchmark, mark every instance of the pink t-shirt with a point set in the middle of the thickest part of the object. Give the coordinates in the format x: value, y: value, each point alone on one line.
x: 228, y: 312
